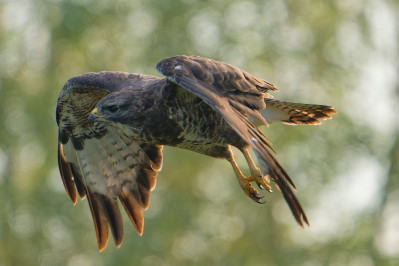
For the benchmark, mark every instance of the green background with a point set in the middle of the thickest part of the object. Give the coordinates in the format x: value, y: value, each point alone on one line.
x: 342, y: 53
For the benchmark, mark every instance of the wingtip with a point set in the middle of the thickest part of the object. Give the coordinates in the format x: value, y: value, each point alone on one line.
x: 101, y: 246
x: 72, y: 197
x: 307, y: 223
x: 139, y: 226
x: 118, y: 245
x: 298, y: 213
x: 140, y: 232
x: 74, y: 201
x: 133, y: 209
x: 302, y: 221
x: 99, y: 218
x: 115, y: 220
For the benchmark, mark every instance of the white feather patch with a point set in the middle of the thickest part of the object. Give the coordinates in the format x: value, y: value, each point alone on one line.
x: 272, y: 114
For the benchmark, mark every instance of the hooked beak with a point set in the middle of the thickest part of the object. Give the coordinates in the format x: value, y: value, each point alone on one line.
x: 94, y: 111
x: 94, y: 115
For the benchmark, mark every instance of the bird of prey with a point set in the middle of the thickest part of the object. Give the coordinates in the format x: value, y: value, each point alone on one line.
x: 113, y: 125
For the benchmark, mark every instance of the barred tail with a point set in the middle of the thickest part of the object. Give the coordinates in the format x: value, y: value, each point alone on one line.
x: 296, y: 113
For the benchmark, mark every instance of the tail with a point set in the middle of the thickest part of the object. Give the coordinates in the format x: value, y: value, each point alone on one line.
x: 296, y: 113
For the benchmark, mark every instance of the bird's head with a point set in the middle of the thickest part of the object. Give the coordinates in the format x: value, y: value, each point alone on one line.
x: 115, y: 107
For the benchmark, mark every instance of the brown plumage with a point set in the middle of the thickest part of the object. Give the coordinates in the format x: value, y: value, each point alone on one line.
x: 112, y: 126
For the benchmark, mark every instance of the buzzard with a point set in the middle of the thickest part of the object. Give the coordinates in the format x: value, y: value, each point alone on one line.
x: 113, y: 125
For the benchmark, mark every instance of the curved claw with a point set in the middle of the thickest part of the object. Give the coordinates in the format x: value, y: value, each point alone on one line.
x: 254, y: 195
x: 263, y: 185
x: 263, y: 188
x: 257, y: 198
x: 245, y: 183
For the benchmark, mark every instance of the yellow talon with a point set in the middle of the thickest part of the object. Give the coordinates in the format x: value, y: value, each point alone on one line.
x: 256, y: 175
x: 245, y: 182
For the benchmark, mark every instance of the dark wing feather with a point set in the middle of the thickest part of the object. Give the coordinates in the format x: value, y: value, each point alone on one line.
x: 224, y: 80
x: 235, y: 94
x: 99, y: 214
x: 66, y: 175
x: 104, y: 165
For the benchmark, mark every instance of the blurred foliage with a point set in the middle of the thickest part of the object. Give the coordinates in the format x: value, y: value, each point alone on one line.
x: 342, y: 53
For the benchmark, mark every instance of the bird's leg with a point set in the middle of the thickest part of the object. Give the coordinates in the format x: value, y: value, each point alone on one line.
x: 244, y: 182
x: 256, y: 174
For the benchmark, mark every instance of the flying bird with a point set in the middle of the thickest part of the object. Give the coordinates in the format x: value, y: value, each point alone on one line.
x: 113, y: 125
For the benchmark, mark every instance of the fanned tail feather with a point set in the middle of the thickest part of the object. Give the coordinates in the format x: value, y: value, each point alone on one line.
x: 292, y: 113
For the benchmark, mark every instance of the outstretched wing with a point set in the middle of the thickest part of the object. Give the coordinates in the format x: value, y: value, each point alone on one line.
x: 104, y: 164
x: 238, y: 96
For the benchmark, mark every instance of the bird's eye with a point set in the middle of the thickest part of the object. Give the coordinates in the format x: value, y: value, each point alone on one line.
x: 113, y: 108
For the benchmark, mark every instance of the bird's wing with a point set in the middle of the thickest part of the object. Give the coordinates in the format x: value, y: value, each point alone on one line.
x: 103, y: 165
x: 236, y: 95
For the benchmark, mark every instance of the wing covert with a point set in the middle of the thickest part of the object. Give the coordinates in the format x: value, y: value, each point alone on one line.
x: 242, y: 90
